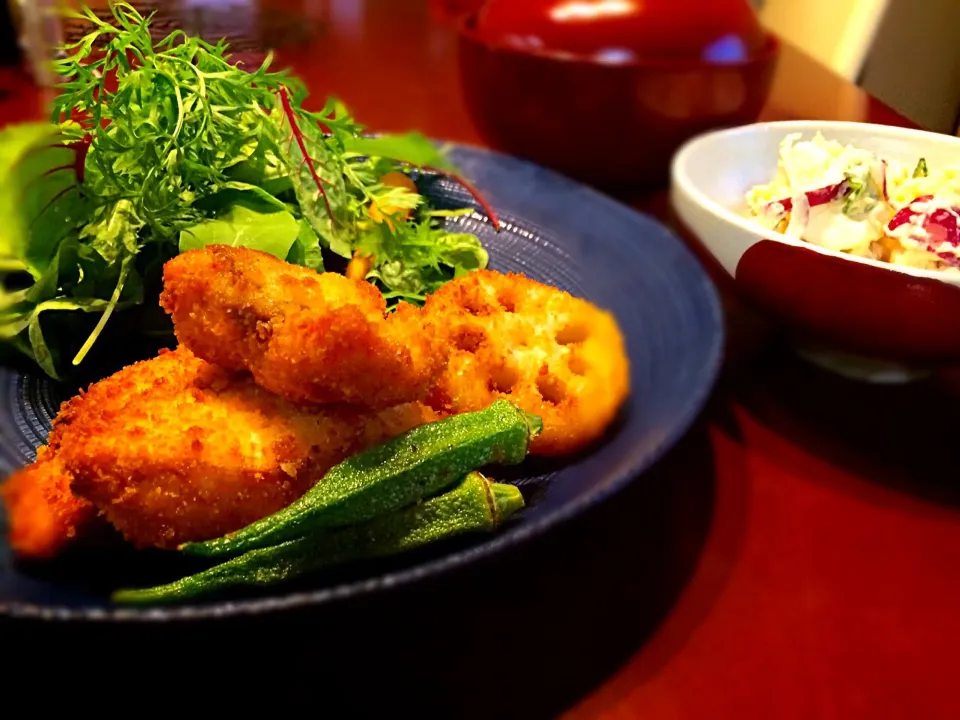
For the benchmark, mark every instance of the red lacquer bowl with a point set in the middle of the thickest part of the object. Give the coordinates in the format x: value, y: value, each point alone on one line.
x: 610, y: 118
x: 450, y: 11
x: 863, y: 318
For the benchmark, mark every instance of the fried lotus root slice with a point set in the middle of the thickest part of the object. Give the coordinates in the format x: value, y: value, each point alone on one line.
x: 175, y: 449
x: 554, y: 355
x: 44, y: 516
x: 311, y: 337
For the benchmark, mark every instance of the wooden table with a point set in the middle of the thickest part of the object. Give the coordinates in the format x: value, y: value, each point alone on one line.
x: 796, y: 556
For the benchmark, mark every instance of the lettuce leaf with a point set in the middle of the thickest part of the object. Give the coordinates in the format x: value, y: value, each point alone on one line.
x: 412, y: 148
x: 239, y: 192
x: 43, y: 208
x: 113, y: 232
x: 40, y: 198
x: 245, y: 224
x: 306, y: 248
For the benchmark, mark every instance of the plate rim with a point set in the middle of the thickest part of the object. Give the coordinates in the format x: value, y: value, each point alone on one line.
x: 705, y: 381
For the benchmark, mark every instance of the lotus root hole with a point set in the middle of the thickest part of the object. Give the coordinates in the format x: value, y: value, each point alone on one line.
x: 577, y: 365
x: 504, y: 378
x: 476, y: 304
x: 572, y: 333
x: 469, y: 339
x: 551, y: 388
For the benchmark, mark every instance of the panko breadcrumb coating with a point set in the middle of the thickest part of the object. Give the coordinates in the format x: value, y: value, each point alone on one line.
x: 175, y: 449
x: 43, y: 514
x: 178, y: 449
x: 550, y: 353
x: 310, y: 337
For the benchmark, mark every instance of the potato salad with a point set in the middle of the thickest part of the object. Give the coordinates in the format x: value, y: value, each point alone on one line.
x: 851, y: 200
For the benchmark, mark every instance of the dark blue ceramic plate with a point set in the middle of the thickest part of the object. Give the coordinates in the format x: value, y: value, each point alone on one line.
x: 555, y: 231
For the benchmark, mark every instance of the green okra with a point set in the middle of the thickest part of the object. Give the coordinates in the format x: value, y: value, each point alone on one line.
x: 415, y: 465
x: 476, y: 505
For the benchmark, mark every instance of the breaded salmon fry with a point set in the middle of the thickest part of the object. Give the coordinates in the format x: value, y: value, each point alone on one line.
x: 175, y: 449
x: 43, y: 514
x: 310, y: 337
x: 554, y: 355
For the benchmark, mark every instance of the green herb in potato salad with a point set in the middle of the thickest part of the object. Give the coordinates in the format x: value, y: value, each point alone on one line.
x: 156, y: 148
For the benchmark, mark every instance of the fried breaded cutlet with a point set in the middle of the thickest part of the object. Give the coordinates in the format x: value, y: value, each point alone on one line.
x: 310, y: 337
x: 43, y: 514
x: 175, y: 449
x: 550, y: 353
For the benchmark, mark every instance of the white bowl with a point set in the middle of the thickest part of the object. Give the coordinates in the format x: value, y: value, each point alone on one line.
x: 863, y: 318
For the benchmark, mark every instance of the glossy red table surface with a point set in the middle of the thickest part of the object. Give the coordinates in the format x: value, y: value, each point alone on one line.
x: 796, y: 556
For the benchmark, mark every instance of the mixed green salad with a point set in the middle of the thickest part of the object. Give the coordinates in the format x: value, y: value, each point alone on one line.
x: 157, y: 148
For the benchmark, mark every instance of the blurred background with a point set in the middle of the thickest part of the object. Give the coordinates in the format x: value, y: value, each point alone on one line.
x: 901, y: 51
